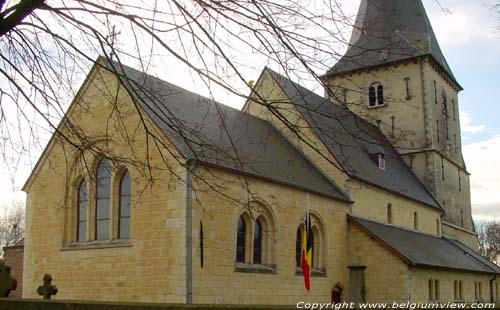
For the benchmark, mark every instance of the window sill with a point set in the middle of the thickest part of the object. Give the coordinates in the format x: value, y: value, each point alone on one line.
x: 377, y: 106
x: 314, y: 272
x: 105, y: 244
x: 255, y: 268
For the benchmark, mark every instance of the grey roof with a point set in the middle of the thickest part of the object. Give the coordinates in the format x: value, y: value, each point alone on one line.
x: 224, y: 137
x: 353, y: 142
x: 388, y: 31
x: 427, y: 250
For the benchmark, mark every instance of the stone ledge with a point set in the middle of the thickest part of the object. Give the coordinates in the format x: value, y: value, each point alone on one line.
x: 88, y: 245
x: 314, y: 272
x: 255, y: 268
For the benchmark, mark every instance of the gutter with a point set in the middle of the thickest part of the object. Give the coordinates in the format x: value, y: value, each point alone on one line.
x: 189, y: 230
x: 492, y: 291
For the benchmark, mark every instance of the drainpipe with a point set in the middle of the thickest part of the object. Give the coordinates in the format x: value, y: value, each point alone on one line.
x: 492, y: 291
x: 410, y: 271
x: 189, y: 230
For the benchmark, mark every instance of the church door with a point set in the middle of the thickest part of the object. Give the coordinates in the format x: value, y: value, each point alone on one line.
x: 336, y: 295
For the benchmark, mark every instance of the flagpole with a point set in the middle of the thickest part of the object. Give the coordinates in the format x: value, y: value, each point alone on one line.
x: 308, y: 220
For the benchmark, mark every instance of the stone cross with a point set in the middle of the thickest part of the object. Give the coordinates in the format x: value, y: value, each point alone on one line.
x: 47, y: 289
x: 7, y: 283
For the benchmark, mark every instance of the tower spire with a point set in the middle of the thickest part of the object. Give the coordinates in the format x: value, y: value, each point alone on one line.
x: 389, y: 31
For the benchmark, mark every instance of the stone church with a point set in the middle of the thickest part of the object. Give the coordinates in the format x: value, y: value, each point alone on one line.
x: 174, y: 198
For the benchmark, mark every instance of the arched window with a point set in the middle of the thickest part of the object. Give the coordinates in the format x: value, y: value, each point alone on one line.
x: 257, y: 243
x: 372, y: 96
x: 380, y: 94
x: 81, y: 232
x: 316, y: 248
x: 318, y: 245
x: 376, y: 95
x: 240, y: 240
x: 298, y: 247
x: 124, y: 207
x: 103, y: 182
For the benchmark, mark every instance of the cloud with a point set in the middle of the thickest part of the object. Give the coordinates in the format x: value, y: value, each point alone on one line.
x: 466, y: 126
x: 484, y: 166
x: 462, y: 21
x: 486, y: 212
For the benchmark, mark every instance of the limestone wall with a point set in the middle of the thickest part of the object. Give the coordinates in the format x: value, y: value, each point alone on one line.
x: 420, y: 284
x: 407, y: 110
x: 373, y: 203
x: 220, y: 281
x: 386, y: 275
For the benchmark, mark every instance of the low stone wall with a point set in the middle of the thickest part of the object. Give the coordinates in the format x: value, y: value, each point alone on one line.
x: 33, y: 304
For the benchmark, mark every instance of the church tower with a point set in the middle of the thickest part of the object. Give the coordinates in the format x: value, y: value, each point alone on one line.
x: 395, y: 75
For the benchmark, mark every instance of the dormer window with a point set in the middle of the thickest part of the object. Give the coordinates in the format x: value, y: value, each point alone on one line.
x: 381, y: 161
x: 376, y: 95
x: 377, y: 154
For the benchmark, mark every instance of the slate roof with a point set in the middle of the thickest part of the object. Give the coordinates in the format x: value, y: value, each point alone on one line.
x: 354, y: 143
x: 224, y: 137
x: 427, y: 250
x: 388, y: 31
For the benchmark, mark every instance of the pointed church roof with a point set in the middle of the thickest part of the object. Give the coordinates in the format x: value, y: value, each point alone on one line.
x: 389, y: 31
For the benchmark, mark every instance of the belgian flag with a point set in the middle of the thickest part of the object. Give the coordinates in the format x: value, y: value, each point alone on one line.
x: 307, y: 247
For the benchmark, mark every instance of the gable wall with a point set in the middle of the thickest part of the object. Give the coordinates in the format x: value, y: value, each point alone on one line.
x: 154, y: 258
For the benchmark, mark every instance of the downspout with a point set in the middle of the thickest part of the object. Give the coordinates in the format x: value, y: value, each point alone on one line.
x: 189, y: 230
x: 410, y: 271
x: 492, y: 291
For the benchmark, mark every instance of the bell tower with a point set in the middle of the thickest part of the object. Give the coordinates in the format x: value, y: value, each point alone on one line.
x: 395, y: 75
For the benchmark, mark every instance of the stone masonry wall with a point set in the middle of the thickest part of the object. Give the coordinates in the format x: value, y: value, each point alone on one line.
x: 13, y: 257
x: 150, y: 267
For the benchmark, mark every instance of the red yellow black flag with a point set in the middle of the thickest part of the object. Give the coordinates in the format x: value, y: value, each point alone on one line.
x: 307, y: 245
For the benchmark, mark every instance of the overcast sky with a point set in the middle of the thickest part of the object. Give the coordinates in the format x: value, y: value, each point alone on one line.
x: 467, y: 35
